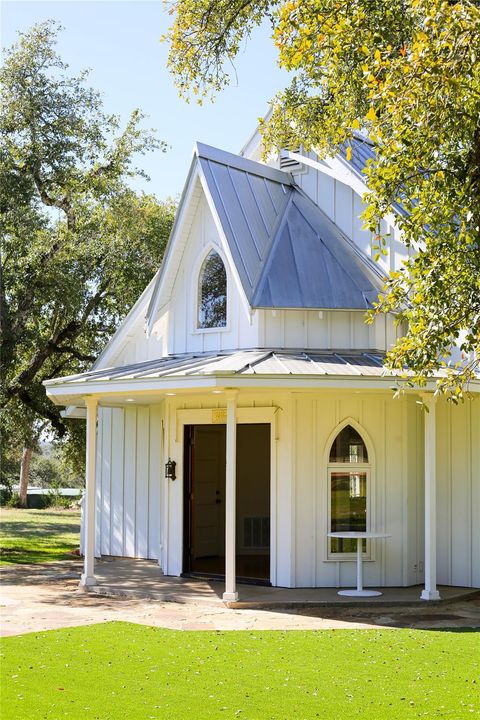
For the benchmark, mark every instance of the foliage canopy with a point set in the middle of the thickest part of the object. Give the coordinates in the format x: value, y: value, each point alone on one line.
x: 78, y: 245
x: 405, y: 74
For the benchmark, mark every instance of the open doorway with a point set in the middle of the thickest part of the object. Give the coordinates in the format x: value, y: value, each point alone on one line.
x: 204, y: 501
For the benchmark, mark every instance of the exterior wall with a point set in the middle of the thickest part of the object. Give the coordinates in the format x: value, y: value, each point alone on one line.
x: 140, y: 514
x: 395, y: 490
x: 304, y: 422
x: 129, y: 481
x: 458, y: 493
x: 311, y: 329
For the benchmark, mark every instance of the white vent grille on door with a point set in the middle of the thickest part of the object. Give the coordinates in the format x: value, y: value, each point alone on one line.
x: 256, y: 532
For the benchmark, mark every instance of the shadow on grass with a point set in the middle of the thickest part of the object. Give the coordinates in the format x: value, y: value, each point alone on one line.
x: 15, y: 527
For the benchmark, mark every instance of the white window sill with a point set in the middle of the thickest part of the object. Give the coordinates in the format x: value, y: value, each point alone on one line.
x: 209, y: 331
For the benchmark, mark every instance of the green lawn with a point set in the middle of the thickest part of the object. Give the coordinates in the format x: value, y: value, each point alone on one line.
x: 119, y: 670
x: 31, y: 536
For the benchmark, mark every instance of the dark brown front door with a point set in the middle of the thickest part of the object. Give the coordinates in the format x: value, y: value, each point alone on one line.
x: 205, y: 499
x: 204, y: 503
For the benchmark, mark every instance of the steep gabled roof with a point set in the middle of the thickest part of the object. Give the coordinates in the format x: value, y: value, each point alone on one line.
x: 286, y: 250
x: 312, y: 264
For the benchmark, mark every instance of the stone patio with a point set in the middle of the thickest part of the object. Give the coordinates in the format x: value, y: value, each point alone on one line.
x: 143, y: 579
x: 41, y: 597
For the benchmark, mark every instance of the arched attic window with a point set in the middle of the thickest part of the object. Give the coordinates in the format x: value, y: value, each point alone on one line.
x: 349, y: 477
x: 212, y: 292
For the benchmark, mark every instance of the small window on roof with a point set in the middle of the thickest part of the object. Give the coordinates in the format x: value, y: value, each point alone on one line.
x: 212, y: 292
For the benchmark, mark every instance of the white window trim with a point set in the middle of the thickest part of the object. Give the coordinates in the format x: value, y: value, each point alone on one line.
x: 202, y: 256
x: 369, y: 468
x: 347, y: 468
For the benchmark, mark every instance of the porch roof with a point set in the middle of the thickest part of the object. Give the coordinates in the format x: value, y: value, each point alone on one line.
x: 255, y: 367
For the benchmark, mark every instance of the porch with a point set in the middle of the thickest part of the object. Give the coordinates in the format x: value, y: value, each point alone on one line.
x: 143, y: 579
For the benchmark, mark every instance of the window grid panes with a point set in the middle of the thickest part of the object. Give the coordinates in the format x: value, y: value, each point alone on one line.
x: 212, y: 293
x: 348, y: 508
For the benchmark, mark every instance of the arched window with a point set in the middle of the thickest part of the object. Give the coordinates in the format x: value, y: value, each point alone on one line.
x: 212, y: 292
x: 348, y: 475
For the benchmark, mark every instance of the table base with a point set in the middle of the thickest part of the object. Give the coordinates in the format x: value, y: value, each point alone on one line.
x: 359, y: 593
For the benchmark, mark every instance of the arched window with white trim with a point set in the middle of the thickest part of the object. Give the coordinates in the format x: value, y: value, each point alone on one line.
x: 212, y: 293
x: 348, y: 489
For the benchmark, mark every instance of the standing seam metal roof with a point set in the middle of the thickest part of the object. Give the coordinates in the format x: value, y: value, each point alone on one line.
x: 243, y: 362
x: 288, y: 252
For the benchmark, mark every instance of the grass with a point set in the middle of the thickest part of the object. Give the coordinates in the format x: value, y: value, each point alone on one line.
x: 120, y: 670
x: 33, y: 536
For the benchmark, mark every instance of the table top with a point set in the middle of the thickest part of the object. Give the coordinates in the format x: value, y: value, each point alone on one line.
x: 357, y: 535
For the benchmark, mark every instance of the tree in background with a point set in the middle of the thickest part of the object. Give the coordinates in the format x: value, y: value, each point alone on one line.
x: 78, y: 245
x: 406, y: 74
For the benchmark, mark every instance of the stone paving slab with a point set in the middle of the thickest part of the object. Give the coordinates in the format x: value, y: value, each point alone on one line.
x: 36, y: 598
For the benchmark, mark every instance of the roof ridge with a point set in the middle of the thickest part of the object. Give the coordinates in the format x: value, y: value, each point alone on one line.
x: 276, y: 234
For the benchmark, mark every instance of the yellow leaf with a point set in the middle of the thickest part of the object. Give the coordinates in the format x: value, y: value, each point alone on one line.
x: 355, y: 125
x: 371, y: 115
x: 349, y: 153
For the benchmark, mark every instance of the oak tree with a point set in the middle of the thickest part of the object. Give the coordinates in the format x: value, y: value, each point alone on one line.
x: 78, y: 245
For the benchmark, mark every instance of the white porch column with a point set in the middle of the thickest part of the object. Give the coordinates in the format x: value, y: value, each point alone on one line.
x: 230, y: 593
x: 430, y: 591
x: 88, y: 576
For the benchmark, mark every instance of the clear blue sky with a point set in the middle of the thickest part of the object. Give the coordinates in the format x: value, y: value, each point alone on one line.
x: 119, y: 42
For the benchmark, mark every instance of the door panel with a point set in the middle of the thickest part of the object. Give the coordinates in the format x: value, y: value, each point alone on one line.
x: 209, y: 491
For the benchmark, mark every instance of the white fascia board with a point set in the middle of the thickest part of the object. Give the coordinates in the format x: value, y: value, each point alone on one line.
x: 225, y: 246
x: 169, y: 257
x: 137, y: 311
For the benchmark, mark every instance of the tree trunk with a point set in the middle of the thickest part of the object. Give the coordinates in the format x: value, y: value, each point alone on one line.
x: 24, y: 475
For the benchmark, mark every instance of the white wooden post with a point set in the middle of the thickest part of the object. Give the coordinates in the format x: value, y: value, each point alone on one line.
x: 430, y: 591
x: 88, y: 576
x: 230, y: 593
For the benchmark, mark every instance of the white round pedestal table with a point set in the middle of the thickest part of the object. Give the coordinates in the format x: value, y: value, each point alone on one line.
x: 358, y: 536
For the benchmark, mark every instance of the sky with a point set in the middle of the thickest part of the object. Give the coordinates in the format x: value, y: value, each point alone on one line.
x: 119, y: 41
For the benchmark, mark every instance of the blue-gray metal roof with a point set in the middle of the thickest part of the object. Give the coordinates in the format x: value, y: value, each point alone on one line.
x: 287, y: 252
x: 262, y: 363
x: 313, y: 265
x: 241, y: 362
x: 362, y: 151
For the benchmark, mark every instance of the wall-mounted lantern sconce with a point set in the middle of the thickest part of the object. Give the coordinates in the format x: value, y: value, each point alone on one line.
x: 170, y: 470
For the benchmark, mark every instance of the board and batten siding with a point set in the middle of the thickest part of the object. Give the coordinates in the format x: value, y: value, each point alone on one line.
x: 393, y: 428
x: 313, y: 329
x: 130, y: 508
x: 458, y: 493
x: 129, y: 481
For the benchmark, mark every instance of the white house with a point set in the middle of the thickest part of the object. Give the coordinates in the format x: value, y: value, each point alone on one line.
x: 246, y: 374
